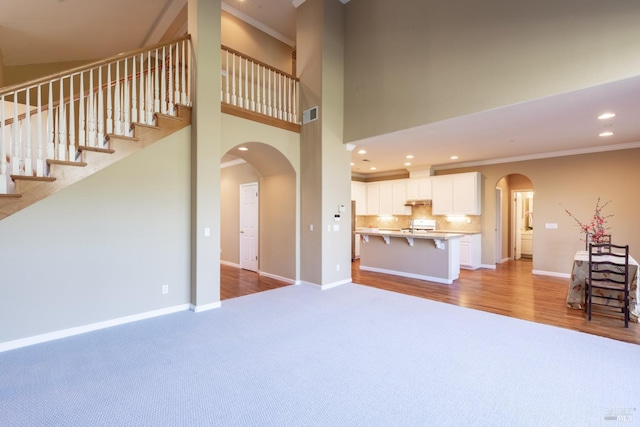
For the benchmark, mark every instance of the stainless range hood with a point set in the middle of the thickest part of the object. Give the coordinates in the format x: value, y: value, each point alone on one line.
x: 418, y: 203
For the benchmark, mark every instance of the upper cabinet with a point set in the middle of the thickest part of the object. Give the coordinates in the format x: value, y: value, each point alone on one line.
x: 419, y: 189
x: 456, y: 194
x: 359, y: 194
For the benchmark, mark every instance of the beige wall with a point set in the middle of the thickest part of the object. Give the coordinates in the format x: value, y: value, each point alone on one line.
x: 102, y: 248
x: 242, y: 37
x: 575, y: 183
x: 23, y: 73
x: 415, y: 62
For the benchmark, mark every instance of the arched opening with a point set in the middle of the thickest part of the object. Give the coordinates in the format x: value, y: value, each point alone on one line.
x: 514, y: 218
x: 259, y: 168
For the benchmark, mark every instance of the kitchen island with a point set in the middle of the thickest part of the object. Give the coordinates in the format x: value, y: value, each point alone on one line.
x: 432, y: 256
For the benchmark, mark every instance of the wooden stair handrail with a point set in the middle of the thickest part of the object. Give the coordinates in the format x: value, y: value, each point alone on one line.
x: 284, y: 73
x: 87, y: 67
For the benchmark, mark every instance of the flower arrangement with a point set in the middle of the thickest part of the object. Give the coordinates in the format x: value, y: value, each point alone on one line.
x: 596, y: 228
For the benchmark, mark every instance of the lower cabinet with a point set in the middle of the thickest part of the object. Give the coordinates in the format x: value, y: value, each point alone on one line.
x: 526, y: 244
x: 470, y: 251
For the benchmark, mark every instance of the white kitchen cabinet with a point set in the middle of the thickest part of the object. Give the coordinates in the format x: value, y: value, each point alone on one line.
x: 359, y: 194
x: 456, y: 194
x: 357, y: 245
x: 471, y: 251
x: 399, y: 197
x: 419, y: 189
x: 387, y: 198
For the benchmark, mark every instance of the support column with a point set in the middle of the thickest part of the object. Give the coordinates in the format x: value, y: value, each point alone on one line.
x: 325, y: 161
x: 204, y: 27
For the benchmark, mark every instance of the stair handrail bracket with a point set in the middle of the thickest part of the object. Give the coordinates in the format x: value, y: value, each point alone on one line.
x: 58, y: 117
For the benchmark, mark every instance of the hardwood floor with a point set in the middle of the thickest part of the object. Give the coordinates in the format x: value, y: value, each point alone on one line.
x: 509, y: 290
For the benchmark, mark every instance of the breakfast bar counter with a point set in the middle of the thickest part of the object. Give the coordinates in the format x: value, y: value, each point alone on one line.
x: 432, y: 256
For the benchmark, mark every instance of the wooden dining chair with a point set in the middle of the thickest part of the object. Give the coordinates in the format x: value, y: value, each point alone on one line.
x: 608, y: 281
x: 606, y: 239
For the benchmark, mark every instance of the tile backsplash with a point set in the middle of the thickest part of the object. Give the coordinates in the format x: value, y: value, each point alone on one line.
x: 418, y: 212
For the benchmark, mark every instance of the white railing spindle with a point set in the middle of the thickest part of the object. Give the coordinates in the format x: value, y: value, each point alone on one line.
x: 109, y: 102
x: 72, y: 124
x: 98, y: 120
x: 50, y: 125
x: 116, y: 102
x: 82, y: 137
x: 15, y: 159
x: 28, y: 160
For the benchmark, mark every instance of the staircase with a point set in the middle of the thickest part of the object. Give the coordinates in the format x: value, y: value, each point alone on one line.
x: 58, y: 130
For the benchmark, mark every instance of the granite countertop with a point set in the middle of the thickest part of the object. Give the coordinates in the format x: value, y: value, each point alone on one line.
x: 442, y: 235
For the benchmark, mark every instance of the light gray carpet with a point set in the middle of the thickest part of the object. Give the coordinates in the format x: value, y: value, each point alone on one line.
x: 299, y: 356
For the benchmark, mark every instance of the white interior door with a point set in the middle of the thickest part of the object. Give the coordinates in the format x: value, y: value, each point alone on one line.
x: 498, y: 229
x: 249, y: 226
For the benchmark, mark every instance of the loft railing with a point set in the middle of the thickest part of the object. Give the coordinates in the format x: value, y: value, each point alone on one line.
x: 255, y: 87
x: 55, y: 118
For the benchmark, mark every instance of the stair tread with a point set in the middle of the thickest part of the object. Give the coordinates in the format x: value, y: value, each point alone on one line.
x: 130, y: 138
x: 96, y: 149
x: 10, y: 196
x: 33, y: 178
x: 65, y: 163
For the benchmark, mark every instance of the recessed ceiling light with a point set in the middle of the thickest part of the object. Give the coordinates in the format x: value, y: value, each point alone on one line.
x: 408, y: 164
x: 373, y: 168
x: 606, y: 133
x: 605, y: 116
x: 243, y: 148
x: 454, y: 157
x: 362, y: 151
x: 410, y: 156
x: 353, y: 164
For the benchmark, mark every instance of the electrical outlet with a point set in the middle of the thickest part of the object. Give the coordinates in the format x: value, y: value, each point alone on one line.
x: 165, y: 289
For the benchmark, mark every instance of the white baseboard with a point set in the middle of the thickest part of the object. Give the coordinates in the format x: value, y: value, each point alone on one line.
x: 51, y: 336
x: 230, y: 264
x: 335, y: 284
x: 489, y: 266
x: 551, y: 273
x: 410, y: 275
x: 276, y: 277
x: 205, y: 307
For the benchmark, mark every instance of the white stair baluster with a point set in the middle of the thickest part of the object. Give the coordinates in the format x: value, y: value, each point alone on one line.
x: 143, y: 111
x: 82, y: 137
x: 295, y: 101
x: 72, y: 122
x: 176, y: 95
x: 163, y: 82
x: 188, y: 65
x: 39, y: 139
x: 116, y: 102
x: 134, y: 95
x: 126, y: 115
x: 227, y: 97
x: 149, y: 91
x: 15, y: 159
x: 170, y: 87
x: 183, y: 85
x: 109, y: 102
x: 3, y: 152
x: 28, y: 159
x: 99, y: 110
x: 258, y: 106
x: 62, y: 139
x: 253, y: 84
x: 234, y: 99
x: 91, y: 128
x: 240, y: 81
x: 247, y: 105
x: 50, y: 125
x: 270, y: 110
x: 156, y: 84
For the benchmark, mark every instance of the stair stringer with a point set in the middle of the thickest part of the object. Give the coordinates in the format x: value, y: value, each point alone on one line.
x: 30, y: 190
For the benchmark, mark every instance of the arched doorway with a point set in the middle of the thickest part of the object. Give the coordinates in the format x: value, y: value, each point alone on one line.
x: 514, y: 218
x: 261, y: 167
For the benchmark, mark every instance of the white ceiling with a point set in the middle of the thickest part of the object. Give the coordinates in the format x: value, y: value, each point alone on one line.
x: 42, y: 31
